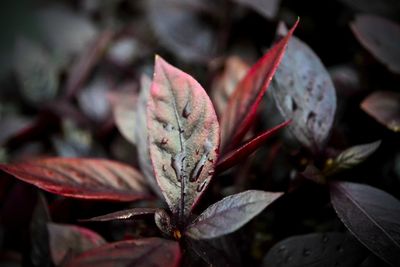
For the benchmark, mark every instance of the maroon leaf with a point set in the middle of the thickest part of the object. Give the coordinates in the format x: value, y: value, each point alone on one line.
x: 229, y: 214
x: 316, y: 250
x: 69, y: 240
x: 237, y: 155
x: 242, y: 106
x: 267, y: 8
x: 144, y: 252
x: 380, y: 37
x: 384, y: 106
x: 183, y: 136
x: 303, y: 91
x: 123, y: 215
x: 82, y: 178
x: 372, y: 215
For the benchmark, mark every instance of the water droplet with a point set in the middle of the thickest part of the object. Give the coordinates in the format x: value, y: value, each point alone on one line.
x: 164, y: 168
x: 306, y: 252
x: 187, y: 110
x: 311, y: 120
x: 201, y: 186
x: 196, y: 171
x: 211, y: 160
x: 169, y: 127
x: 281, y: 248
x: 211, y: 172
x: 164, y: 141
x: 177, y: 163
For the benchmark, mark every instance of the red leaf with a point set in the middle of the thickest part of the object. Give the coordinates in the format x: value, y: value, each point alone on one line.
x: 82, y: 178
x: 144, y: 252
x: 381, y: 37
x: 242, y: 106
x: 183, y: 136
x: 68, y: 240
x: 238, y: 154
x: 384, y: 106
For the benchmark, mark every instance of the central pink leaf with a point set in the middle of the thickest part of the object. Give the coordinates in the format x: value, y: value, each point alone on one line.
x: 184, y: 136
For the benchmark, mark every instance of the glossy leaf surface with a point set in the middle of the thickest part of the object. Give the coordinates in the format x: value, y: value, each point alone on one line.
x: 144, y: 252
x: 229, y: 214
x: 183, y: 136
x: 303, y: 91
x: 69, y: 240
x: 82, y: 178
x: 242, y: 106
x: 372, y: 215
x: 380, y: 37
x: 122, y: 215
x: 239, y: 154
x: 316, y: 250
x: 384, y: 106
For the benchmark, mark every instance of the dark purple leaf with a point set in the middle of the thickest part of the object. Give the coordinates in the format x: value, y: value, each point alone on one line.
x: 267, y: 8
x: 303, y: 91
x: 381, y: 7
x: 316, y: 250
x: 229, y: 214
x: 183, y: 136
x: 371, y: 215
x: 242, y: 106
x: 380, y: 37
x: 239, y: 154
x: 384, y: 106
x: 122, y: 215
x: 187, y: 28
x: 70, y: 240
x: 82, y: 178
x: 144, y: 252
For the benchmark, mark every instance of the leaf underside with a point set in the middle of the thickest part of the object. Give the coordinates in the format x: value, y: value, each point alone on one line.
x: 183, y: 137
x: 229, y: 214
x: 371, y: 215
x: 242, y: 106
x: 82, y: 178
x: 144, y: 252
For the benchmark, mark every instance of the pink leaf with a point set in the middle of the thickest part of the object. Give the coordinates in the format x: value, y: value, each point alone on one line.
x: 144, y: 252
x: 242, y: 106
x: 238, y: 154
x: 183, y: 136
x: 82, y: 178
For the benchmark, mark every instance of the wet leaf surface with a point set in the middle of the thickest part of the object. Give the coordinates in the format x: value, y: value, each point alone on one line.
x: 122, y: 215
x: 380, y: 37
x: 183, y: 137
x: 144, y: 252
x: 229, y: 214
x: 316, y: 250
x: 303, y: 91
x: 82, y: 178
x: 371, y: 215
x: 384, y: 106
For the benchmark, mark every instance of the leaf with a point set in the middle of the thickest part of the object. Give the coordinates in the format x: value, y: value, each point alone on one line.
x: 141, y: 135
x: 36, y: 73
x: 303, y: 91
x: 237, y: 155
x: 242, y: 106
x: 351, y: 157
x: 371, y: 215
x: 65, y: 32
x: 384, y: 106
x: 81, y: 178
x: 225, y: 83
x: 70, y: 240
x: 316, y: 250
x: 267, y: 8
x: 187, y: 28
x: 229, y: 214
x: 122, y: 215
x: 380, y: 37
x: 123, y: 105
x: 183, y: 137
x: 144, y: 252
